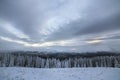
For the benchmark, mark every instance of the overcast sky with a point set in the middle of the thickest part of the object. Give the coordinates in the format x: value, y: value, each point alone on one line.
x: 62, y: 25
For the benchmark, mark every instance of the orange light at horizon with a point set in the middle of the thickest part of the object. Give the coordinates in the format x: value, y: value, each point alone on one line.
x: 94, y: 41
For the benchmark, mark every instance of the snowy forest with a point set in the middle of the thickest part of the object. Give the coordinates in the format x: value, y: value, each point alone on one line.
x: 59, y: 60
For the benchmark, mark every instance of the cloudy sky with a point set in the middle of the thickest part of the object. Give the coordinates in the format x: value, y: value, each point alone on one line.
x: 62, y: 25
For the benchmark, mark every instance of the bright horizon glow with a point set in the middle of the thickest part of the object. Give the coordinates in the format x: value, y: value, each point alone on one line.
x: 94, y: 41
x: 44, y: 44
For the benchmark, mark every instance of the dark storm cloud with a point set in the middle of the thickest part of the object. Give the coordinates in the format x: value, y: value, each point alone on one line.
x: 27, y: 15
x: 98, y: 18
x: 33, y: 22
x: 20, y: 14
x: 111, y: 23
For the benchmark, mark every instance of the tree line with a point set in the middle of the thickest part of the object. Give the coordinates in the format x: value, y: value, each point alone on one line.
x: 59, y: 60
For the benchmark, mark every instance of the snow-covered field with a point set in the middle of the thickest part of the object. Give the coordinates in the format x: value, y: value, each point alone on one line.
x: 14, y: 73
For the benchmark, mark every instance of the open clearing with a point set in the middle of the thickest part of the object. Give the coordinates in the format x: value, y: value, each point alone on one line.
x: 17, y: 73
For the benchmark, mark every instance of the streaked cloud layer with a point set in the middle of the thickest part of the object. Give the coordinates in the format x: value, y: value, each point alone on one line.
x: 64, y: 25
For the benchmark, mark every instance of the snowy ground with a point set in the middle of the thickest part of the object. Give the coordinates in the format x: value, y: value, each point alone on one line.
x: 59, y: 74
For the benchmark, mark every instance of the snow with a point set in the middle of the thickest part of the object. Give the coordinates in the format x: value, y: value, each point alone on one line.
x: 19, y: 73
